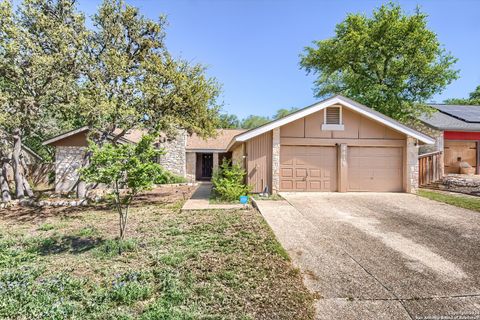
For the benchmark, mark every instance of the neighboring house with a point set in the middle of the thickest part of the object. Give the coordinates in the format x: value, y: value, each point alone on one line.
x: 187, y: 156
x: 456, y: 130
x: 334, y: 145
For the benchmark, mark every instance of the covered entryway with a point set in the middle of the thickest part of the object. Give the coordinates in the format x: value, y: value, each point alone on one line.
x: 375, y: 169
x: 308, y: 168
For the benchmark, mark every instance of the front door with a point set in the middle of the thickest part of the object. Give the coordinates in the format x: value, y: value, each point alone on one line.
x: 207, y: 165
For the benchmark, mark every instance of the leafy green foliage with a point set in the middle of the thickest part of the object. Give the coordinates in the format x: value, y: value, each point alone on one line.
x: 473, y: 99
x: 228, y: 121
x: 133, y: 81
x: 253, y: 121
x: 390, y: 62
x: 228, y: 182
x: 284, y: 112
x: 166, y: 177
x: 128, y: 169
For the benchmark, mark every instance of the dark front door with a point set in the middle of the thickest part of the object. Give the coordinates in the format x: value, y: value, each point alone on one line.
x: 207, y: 165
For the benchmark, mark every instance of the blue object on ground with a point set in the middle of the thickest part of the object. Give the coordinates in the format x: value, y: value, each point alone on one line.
x: 243, y: 199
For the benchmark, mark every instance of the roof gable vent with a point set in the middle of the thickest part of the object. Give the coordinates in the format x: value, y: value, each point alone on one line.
x: 332, y: 118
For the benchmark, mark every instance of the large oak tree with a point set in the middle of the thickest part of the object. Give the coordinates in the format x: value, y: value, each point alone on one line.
x: 40, y: 51
x: 390, y: 61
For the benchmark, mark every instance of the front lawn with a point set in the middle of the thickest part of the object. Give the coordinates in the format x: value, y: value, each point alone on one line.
x: 459, y: 200
x: 63, y: 264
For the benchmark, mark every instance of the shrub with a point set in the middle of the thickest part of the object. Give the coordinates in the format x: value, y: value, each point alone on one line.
x: 166, y: 177
x: 228, y: 182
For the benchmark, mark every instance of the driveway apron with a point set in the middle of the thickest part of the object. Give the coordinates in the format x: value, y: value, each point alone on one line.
x: 381, y: 256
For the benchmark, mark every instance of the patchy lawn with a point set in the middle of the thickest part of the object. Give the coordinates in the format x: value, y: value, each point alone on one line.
x: 64, y: 264
x: 459, y: 200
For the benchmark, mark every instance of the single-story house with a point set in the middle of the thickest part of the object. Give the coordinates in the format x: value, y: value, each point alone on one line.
x: 187, y: 156
x: 334, y: 145
x: 456, y: 129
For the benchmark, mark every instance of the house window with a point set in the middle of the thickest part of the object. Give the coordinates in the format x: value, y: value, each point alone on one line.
x: 332, y: 118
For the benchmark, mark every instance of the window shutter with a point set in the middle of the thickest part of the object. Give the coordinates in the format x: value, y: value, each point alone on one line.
x: 333, y: 115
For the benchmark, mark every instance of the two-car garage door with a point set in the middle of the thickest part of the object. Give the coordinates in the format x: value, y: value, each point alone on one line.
x: 314, y: 168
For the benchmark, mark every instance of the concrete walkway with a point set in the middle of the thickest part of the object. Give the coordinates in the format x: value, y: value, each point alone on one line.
x: 381, y: 256
x: 200, y: 200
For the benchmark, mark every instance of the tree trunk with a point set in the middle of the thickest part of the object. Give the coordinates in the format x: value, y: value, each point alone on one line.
x: 17, y: 174
x: 4, y: 188
x: 26, y: 187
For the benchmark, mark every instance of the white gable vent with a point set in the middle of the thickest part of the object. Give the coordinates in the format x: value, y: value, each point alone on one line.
x: 332, y: 118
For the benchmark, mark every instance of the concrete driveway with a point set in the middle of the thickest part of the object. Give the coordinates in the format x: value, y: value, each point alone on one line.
x: 382, y: 256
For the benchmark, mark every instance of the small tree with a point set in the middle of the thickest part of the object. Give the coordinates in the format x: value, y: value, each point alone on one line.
x: 128, y: 169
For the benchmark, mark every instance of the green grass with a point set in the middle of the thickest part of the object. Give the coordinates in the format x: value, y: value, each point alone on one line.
x: 466, y: 202
x: 174, y: 265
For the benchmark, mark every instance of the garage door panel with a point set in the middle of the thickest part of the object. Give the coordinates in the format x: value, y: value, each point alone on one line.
x: 314, y: 168
x: 300, y: 185
x: 287, y: 172
x: 286, y: 184
x: 301, y: 173
x: 375, y: 169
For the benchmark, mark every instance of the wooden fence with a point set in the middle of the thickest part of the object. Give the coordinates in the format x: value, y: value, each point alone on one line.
x: 430, y: 167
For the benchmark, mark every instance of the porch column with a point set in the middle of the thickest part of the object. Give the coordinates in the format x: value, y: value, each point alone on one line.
x: 412, y: 165
x: 342, y: 167
x: 215, y: 161
x: 276, y: 160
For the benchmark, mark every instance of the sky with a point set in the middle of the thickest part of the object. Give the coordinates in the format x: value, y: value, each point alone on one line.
x: 252, y: 47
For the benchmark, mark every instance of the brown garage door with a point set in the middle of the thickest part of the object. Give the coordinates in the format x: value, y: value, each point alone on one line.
x: 375, y: 169
x: 304, y: 168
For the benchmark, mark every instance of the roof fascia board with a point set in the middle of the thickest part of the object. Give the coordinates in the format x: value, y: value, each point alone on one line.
x: 206, y: 150
x: 332, y: 101
x: 64, y: 135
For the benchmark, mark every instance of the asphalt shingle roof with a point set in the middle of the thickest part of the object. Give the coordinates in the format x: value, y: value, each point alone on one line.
x: 454, y: 117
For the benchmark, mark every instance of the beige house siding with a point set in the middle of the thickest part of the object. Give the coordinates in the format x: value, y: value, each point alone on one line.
x: 360, y: 135
x: 238, y: 155
x: 259, y: 162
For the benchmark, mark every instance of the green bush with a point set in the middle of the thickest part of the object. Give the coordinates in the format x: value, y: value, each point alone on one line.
x: 166, y: 177
x: 228, y: 182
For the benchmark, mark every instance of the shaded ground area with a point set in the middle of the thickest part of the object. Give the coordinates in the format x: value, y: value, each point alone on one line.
x: 382, y: 256
x: 62, y: 263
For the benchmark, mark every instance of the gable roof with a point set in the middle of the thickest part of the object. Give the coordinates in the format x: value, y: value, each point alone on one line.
x: 453, y: 117
x: 337, y: 99
x: 218, y: 143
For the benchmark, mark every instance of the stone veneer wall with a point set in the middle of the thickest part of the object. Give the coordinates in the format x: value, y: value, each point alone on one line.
x: 434, y: 133
x: 175, y: 158
x: 68, y: 159
x: 412, y: 165
x: 191, y: 159
x: 276, y: 161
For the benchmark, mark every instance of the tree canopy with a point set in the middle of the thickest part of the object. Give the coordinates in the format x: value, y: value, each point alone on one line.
x: 390, y: 61
x: 41, y: 47
x: 254, y: 121
x: 473, y: 98
x: 133, y: 81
